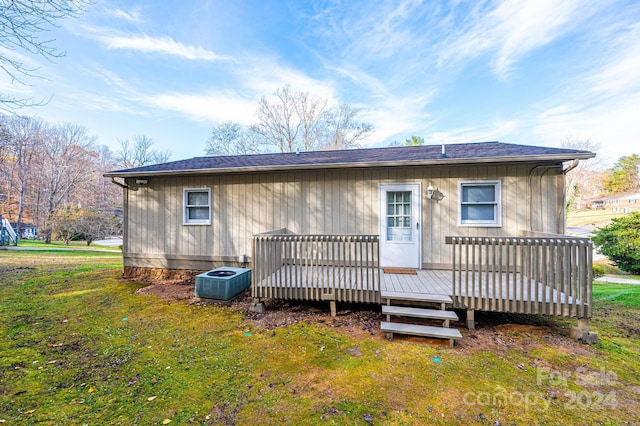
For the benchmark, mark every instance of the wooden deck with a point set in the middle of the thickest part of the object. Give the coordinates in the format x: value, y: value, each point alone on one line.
x: 508, y: 293
x: 549, y: 275
x: 305, y: 282
x: 440, y: 282
x: 426, y: 281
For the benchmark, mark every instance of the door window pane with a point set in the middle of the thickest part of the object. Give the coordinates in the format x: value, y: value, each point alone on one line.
x: 399, y: 216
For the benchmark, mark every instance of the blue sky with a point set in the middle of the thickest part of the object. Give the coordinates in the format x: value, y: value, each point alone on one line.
x: 530, y: 72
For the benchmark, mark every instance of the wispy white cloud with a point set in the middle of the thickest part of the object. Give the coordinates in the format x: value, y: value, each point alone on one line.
x: 362, y: 79
x: 252, y: 79
x: 601, y: 104
x: 502, y: 130
x: 619, y: 67
x: 513, y: 29
x: 381, y: 31
x: 211, y: 107
x: 395, y: 118
x: 164, y: 45
x: 134, y: 15
x: 613, y: 123
x: 110, y: 78
x: 263, y: 75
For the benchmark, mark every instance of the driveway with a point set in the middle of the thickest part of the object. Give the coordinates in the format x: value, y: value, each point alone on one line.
x: 616, y: 280
x: 111, y: 242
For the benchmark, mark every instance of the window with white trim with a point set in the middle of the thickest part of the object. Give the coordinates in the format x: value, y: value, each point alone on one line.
x: 480, y: 203
x: 197, y: 206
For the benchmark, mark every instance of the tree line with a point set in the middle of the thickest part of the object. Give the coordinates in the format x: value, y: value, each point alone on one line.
x: 51, y: 177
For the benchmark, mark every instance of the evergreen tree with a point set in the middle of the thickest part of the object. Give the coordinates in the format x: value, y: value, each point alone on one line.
x: 620, y: 242
x: 623, y: 177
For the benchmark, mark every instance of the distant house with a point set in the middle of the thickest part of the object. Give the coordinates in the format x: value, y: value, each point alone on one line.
x: 625, y: 203
x: 28, y: 231
x: 449, y: 216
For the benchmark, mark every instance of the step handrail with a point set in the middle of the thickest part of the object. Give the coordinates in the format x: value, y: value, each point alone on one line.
x: 10, y: 231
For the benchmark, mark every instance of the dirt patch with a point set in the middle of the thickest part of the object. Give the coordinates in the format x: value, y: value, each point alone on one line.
x: 494, y: 331
x: 179, y: 290
x: 159, y: 274
x: 356, y: 319
x: 498, y: 331
x: 16, y: 270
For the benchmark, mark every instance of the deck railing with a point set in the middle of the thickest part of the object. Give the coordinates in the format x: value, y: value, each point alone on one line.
x: 549, y: 275
x: 316, y: 267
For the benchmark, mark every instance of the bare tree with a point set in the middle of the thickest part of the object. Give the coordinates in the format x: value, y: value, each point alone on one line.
x: 296, y: 121
x: 65, y: 223
x: 585, y: 181
x: 22, y: 141
x: 22, y: 25
x: 278, y: 120
x: 312, y: 112
x: 140, y: 152
x: 95, y: 224
x: 102, y: 193
x: 231, y: 138
x: 67, y: 163
x: 342, y: 129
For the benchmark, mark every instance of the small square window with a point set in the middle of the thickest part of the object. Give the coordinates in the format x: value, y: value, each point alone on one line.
x: 197, y: 206
x: 480, y: 203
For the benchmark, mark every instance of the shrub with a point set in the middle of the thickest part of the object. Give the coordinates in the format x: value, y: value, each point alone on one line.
x: 620, y: 242
x: 599, y: 271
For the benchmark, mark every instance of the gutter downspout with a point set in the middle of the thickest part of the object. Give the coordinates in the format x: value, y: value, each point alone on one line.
x: 530, y: 192
x: 120, y: 184
x: 570, y: 167
x: 125, y: 222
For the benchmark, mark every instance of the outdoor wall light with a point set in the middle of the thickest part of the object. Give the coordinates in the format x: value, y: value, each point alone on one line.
x: 142, y: 181
x: 430, y: 192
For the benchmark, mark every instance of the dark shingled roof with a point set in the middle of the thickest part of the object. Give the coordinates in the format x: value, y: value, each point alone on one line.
x: 483, y: 152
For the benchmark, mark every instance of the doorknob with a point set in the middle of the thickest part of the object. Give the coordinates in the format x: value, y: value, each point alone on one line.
x: 417, y: 225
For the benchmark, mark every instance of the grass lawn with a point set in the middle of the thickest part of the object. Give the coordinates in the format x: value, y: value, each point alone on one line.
x: 589, y: 217
x: 61, y: 244
x: 79, y: 346
x: 614, y: 271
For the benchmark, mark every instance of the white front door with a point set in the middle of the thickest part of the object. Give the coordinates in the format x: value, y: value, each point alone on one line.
x: 400, y: 225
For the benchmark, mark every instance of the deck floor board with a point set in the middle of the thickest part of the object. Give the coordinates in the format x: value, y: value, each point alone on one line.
x: 426, y: 281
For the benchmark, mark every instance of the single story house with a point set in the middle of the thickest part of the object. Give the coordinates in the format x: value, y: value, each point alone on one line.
x: 623, y: 203
x: 479, y: 223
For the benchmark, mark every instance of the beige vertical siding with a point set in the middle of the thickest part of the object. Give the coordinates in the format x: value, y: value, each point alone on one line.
x: 324, y: 202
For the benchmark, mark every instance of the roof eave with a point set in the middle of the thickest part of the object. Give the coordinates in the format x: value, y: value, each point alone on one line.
x: 429, y: 162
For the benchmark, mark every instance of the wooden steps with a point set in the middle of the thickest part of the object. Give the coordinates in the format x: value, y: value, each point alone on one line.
x: 416, y: 297
x: 403, y: 311
x: 398, y: 310
x: 420, y: 330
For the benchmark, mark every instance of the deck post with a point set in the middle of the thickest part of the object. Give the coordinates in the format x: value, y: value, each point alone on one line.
x: 471, y: 323
x: 257, y: 306
x: 582, y: 333
x: 331, y: 298
x: 333, y: 308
